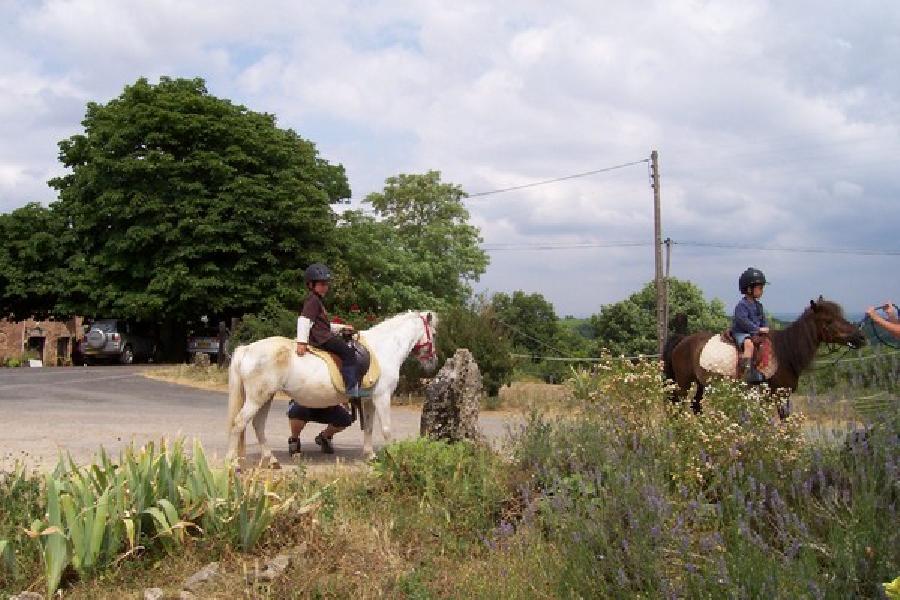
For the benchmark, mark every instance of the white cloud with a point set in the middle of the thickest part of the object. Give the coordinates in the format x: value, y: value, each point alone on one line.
x: 776, y: 123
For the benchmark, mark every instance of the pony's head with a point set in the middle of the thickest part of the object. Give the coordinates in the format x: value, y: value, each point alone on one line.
x: 425, y: 349
x: 831, y: 325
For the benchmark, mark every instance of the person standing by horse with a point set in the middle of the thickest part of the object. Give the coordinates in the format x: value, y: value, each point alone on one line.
x: 314, y: 327
x: 749, y: 320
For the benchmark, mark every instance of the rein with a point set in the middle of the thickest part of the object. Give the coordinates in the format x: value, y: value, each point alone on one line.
x: 889, y: 344
x: 425, y: 350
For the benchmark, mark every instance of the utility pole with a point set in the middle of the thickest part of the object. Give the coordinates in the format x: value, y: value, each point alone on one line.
x: 657, y: 246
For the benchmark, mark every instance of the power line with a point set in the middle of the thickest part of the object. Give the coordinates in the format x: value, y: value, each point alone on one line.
x: 798, y: 249
x: 528, y: 247
x: 531, y: 337
x: 689, y: 243
x: 557, y: 179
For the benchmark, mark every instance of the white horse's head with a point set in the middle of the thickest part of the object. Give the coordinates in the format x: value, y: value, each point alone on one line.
x: 425, y: 349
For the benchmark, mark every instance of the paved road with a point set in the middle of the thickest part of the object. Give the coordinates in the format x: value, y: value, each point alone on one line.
x: 78, y: 409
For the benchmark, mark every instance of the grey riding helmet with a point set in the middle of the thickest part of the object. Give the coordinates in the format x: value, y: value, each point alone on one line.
x: 317, y: 272
x: 751, y: 277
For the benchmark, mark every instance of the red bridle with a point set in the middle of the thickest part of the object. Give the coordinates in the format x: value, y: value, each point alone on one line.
x: 425, y: 350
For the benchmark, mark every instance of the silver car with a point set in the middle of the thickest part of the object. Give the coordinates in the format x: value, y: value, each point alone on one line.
x: 119, y: 340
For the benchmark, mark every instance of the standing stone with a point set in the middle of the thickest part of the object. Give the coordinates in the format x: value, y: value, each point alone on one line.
x: 452, y: 400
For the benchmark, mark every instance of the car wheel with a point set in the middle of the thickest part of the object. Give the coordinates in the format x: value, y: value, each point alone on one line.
x: 127, y: 356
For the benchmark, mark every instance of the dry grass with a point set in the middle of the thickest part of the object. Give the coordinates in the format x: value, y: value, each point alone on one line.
x: 520, y: 395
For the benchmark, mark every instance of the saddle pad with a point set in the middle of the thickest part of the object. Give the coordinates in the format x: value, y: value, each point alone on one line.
x: 720, y: 356
x: 368, y: 380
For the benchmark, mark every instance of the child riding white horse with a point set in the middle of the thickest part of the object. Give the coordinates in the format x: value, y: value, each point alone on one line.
x: 261, y: 369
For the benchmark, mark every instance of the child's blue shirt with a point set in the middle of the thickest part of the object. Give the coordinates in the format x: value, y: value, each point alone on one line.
x: 749, y: 316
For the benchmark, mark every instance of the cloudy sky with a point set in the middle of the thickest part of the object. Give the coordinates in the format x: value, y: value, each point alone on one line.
x: 776, y: 122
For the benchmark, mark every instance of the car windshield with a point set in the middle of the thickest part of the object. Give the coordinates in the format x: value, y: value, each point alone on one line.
x: 104, y: 326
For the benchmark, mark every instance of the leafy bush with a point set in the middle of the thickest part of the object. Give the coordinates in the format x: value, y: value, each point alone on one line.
x: 150, y: 501
x: 460, y: 483
x: 274, y: 319
x: 639, y: 498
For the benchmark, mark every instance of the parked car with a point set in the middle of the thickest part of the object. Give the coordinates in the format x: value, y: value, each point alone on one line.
x: 204, y: 340
x: 120, y: 340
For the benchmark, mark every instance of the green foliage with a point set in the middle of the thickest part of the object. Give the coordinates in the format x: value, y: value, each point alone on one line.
x: 475, y: 328
x: 643, y: 499
x: 531, y: 321
x: 32, y: 259
x: 628, y: 327
x: 460, y: 483
x: 180, y: 203
x: 274, y: 319
x: 150, y: 500
x: 431, y: 237
x: 376, y: 270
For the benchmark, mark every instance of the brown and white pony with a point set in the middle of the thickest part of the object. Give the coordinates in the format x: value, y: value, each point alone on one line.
x: 795, y: 348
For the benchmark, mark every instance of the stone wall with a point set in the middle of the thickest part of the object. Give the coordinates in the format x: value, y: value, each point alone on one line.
x: 57, y: 337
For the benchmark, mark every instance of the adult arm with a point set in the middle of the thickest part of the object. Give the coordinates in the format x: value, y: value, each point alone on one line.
x: 892, y: 327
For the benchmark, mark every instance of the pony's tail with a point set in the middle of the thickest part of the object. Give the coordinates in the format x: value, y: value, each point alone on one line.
x: 236, y: 396
x: 679, y: 332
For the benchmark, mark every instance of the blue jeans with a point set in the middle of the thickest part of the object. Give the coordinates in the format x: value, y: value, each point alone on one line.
x: 348, y: 359
x: 739, y: 338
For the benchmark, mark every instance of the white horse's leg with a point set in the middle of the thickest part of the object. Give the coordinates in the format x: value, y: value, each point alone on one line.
x: 383, y: 408
x: 240, y: 424
x: 259, y: 425
x: 368, y: 411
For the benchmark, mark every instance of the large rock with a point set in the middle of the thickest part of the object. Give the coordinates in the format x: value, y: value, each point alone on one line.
x: 452, y: 400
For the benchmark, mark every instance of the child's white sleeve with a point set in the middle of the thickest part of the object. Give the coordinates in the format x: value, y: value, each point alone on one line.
x: 303, y: 327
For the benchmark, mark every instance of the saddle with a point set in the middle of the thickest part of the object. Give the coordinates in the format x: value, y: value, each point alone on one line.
x: 762, y: 349
x: 366, y: 359
x: 721, y: 355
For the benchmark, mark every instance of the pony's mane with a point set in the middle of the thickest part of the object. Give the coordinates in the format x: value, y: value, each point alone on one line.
x: 796, y: 344
x: 390, y: 322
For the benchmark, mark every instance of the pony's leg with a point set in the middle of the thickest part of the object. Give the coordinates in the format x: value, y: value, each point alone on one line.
x: 259, y: 425
x: 698, y: 395
x: 240, y: 424
x: 383, y: 408
x: 368, y: 415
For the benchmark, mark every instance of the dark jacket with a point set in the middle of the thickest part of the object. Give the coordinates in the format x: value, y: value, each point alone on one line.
x: 314, y: 310
x: 749, y: 316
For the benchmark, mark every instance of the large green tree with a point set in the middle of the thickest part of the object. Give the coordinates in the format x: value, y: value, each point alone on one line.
x: 530, y: 320
x: 629, y: 327
x: 181, y: 203
x: 439, y: 250
x: 32, y: 259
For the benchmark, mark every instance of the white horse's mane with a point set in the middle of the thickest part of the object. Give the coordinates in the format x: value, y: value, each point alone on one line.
x: 391, y: 322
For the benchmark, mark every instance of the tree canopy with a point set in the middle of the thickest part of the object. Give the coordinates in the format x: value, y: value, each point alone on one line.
x: 629, y: 327
x: 180, y: 203
x: 32, y: 259
x: 429, y: 234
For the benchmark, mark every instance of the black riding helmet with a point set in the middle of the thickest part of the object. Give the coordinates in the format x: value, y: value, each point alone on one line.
x: 751, y: 277
x: 317, y: 272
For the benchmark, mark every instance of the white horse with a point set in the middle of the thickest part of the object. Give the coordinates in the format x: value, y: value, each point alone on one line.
x: 261, y: 369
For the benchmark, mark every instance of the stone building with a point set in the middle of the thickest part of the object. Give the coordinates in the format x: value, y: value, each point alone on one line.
x: 51, y: 341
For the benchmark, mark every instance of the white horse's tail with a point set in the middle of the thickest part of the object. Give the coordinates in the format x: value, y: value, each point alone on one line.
x: 236, y: 395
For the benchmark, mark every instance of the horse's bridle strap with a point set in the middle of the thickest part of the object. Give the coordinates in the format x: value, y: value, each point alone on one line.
x: 425, y: 350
